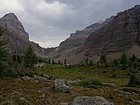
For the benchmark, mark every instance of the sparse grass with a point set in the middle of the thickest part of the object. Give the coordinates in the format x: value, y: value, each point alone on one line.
x: 12, y: 89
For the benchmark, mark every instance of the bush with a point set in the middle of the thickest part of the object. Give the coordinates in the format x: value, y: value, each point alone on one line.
x: 90, y: 83
x: 133, y: 81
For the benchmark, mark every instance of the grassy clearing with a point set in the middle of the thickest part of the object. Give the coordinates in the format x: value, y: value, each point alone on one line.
x: 85, y: 72
x: 12, y: 89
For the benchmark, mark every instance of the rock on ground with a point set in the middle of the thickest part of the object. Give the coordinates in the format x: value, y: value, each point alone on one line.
x: 60, y: 86
x: 39, y: 78
x: 86, y: 100
x: 25, y: 78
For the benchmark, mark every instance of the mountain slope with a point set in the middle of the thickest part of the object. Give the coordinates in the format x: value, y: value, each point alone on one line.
x: 120, y: 34
x: 76, y: 40
x: 18, y: 38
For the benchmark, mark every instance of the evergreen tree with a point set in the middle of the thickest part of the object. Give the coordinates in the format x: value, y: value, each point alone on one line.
x: 133, y: 58
x: 113, y: 72
x: 53, y: 61
x: 3, y: 53
x: 86, y: 61
x: 91, y: 63
x: 133, y: 81
x: 49, y: 61
x: 103, y: 60
x: 30, y: 58
x: 115, y: 62
x: 59, y: 62
x: 65, y: 62
x: 124, y: 61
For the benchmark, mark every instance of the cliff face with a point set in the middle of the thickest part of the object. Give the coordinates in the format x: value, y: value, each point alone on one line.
x: 18, y: 38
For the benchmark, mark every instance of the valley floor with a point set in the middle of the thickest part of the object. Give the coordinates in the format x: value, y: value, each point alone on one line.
x: 15, y: 91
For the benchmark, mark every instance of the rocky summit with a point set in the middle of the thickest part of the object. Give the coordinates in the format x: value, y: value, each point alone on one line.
x: 18, y: 38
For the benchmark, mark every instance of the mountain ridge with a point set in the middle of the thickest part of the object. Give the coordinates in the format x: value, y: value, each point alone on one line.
x: 118, y: 35
x: 18, y: 38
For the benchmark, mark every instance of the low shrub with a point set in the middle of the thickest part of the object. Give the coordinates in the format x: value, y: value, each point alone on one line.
x: 133, y: 81
x: 90, y: 83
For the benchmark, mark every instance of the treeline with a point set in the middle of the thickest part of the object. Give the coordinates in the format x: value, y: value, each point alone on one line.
x: 15, y: 64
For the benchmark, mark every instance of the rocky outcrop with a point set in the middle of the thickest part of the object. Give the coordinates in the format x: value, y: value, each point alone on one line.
x: 18, y: 38
x: 86, y: 100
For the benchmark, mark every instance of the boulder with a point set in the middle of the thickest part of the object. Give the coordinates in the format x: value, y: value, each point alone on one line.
x: 39, y: 78
x: 25, y: 78
x: 60, y: 86
x: 86, y: 100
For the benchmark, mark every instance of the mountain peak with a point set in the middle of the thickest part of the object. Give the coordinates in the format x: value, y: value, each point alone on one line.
x: 10, y: 15
x: 12, y: 23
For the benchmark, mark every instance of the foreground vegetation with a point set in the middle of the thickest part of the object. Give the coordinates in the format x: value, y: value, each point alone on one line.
x: 91, y: 84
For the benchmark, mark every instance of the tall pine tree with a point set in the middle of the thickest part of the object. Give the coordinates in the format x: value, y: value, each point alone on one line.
x: 30, y: 58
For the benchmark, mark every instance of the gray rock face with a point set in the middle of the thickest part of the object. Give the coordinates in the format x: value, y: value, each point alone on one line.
x: 60, y: 86
x: 85, y: 100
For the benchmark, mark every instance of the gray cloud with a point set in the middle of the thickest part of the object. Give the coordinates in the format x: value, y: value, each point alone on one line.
x: 50, y: 21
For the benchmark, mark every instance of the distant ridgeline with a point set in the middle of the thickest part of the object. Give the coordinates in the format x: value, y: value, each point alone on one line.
x: 112, y: 37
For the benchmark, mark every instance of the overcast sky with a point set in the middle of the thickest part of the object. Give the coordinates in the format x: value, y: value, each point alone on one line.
x: 49, y: 22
